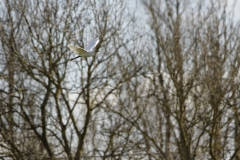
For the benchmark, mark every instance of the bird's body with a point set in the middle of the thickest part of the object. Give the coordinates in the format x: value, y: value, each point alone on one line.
x: 88, y: 51
x: 80, y: 51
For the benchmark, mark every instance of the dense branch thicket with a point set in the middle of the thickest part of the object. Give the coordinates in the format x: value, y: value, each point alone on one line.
x: 164, y: 83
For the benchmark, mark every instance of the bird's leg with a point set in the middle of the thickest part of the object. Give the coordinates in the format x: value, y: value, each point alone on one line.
x: 74, y: 58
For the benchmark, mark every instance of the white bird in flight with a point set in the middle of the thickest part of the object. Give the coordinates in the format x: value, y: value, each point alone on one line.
x: 88, y: 51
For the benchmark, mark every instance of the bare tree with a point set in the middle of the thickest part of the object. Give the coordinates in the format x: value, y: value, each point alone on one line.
x: 196, y: 60
x: 53, y: 108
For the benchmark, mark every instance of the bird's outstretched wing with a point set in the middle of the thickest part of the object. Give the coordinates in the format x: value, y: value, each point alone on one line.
x: 91, y: 44
x: 80, y: 51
